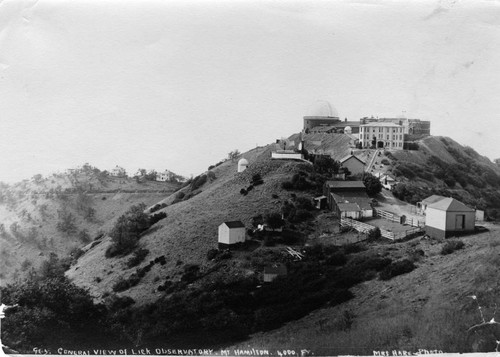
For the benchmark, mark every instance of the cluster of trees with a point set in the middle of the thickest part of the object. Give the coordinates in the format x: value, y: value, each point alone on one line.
x: 51, y: 312
x: 128, y: 228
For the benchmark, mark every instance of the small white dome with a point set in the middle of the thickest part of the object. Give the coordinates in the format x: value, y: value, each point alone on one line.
x: 348, y: 130
x: 242, y: 164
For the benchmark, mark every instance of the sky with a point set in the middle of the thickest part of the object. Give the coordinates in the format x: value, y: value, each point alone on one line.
x: 163, y: 84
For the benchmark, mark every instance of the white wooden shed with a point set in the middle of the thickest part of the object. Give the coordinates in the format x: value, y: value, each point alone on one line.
x: 449, y: 217
x: 230, y: 233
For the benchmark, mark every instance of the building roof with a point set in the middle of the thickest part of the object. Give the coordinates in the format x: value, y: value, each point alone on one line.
x: 386, y: 177
x: 336, y: 146
x: 360, y: 198
x: 383, y: 124
x: 432, y: 199
x: 345, y: 184
x: 349, y: 156
x: 450, y: 205
x: 278, y: 268
x: 348, y: 207
x: 234, y: 224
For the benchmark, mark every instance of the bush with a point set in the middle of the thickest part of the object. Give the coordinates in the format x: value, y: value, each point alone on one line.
x: 138, y: 257
x: 191, y: 272
x: 336, y: 259
x: 212, y: 253
x: 291, y: 237
x: 287, y: 185
x: 302, y: 215
x: 121, y: 285
x: 198, y: 181
x: 374, y: 234
x: 257, y: 180
x: 452, y: 246
x: 158, y: 206
x: 397, y: 268
x: 353, y: 248
x: 127, y: 230
x: 157, y: 217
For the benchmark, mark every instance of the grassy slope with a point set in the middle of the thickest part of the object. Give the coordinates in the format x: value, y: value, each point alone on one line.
x: 191, y: 227
x: 110, y: 198
x: 429, y: 308
x: 394, y: 314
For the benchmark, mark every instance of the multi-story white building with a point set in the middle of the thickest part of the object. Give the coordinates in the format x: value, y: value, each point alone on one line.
x: 385, y: 134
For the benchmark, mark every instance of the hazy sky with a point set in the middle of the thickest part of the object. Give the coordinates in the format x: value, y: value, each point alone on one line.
x: 178, y: 84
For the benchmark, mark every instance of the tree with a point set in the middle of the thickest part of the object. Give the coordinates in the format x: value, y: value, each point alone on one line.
x: 127, y: 230
x: 233, y: 155
x: 274, y: 220
x: 151, y: 175
x: 326, y: 165
x: 372, y: 184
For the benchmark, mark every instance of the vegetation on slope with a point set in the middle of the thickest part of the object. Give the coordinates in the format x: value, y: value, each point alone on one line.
x: 63, y: 212
x: 466, y: 177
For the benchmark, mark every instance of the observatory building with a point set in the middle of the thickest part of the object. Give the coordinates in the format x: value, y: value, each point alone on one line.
x: 242, y: 164
x: 321, y: 113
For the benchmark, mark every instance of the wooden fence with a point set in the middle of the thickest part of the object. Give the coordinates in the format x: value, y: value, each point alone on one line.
x: 411, y: 221
x: 366, y: 228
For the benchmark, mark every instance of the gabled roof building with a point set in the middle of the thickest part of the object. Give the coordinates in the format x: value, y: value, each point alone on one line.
x: 448, y: 217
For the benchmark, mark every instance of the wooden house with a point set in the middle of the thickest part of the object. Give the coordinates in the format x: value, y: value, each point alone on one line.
x: 231, y: 233
x: 448, y: 217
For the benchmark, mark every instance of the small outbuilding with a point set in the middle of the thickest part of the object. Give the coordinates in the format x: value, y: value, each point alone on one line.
x: 242, y: 164
x: 272, y: 271
x: 448, y: 217
x: 231, y: 233
x: 354, y: 164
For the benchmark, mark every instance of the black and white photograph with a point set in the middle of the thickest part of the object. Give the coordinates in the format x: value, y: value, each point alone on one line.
x: 249, y: 178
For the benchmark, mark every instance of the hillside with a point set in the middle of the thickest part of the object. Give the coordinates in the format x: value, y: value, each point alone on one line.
x: 430, y: 308
x: 175, y: 286
x: 191, y: 227
x: 63, y: 212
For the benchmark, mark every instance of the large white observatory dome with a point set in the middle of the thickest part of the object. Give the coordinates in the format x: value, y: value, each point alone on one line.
x: 322, y: 108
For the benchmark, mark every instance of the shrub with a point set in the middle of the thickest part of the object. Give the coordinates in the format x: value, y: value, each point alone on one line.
x: 212, y: 253
x: 451, y: 246
x: 158, y: 206
x: 127, y: 230
x: 121, y: 285
x: 268, y: 241
x: 198, y: 181
x: 243, y: 192
x: 287, y: 185
x: 336, y: 259
x: 385, y: 162
x: 66, y: 222
x: 291, y: 237
x: 157, y: 217
x: 302, y: 215
x: 138, y: 257
x: 374, y: 234
x: 257, y: 180
x: 191, y: 272
x: 353, y: 248
x: 397, y: 268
